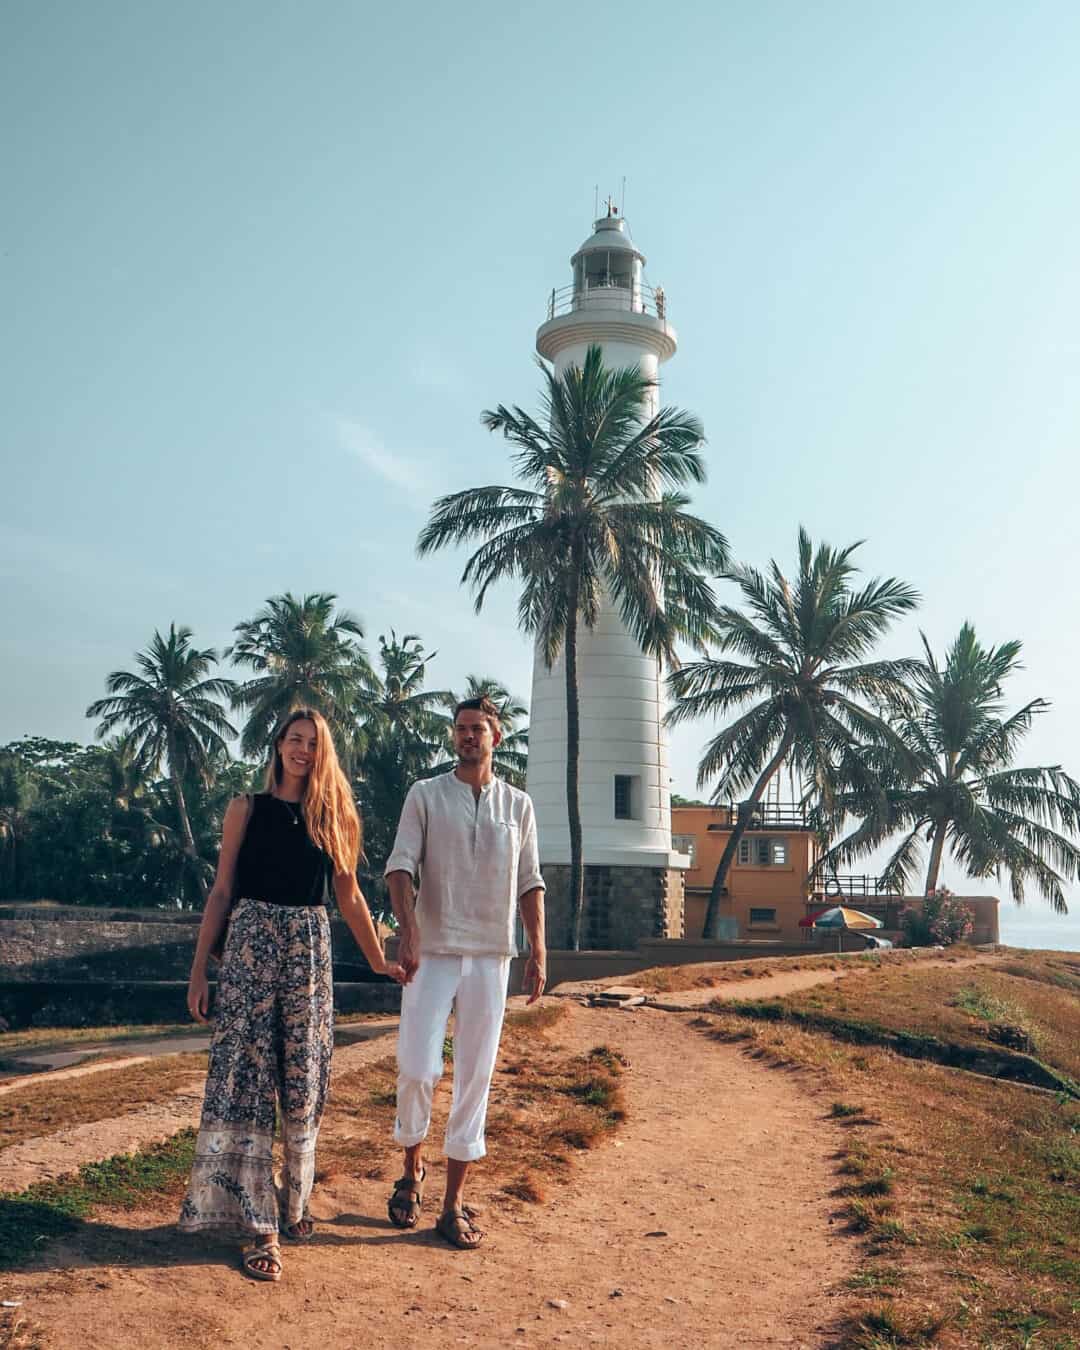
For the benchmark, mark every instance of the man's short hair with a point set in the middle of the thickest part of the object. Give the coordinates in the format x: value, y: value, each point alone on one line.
x: 484, y: 705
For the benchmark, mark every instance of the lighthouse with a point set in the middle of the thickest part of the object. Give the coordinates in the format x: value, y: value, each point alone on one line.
x: 633, y: 878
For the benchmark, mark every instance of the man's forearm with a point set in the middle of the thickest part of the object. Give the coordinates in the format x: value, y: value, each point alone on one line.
x: 402, y: 899
x: 531, y: 905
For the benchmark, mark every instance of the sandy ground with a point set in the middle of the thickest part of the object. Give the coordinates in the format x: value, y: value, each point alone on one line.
x: 708, y: 1222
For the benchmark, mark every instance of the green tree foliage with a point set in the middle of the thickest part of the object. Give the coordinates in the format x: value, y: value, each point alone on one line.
x: 803, y: 687
x: 169, y: 711
x: 94, y: 828
x: 949, y: 781
x: 600, y: 521
x: 301, y: 653
x: 402, y: 737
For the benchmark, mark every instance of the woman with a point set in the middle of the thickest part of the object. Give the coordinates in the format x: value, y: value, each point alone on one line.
x: 281, y: 852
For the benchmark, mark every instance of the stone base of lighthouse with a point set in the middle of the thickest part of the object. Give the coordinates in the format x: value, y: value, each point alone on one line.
x: 623, y: 905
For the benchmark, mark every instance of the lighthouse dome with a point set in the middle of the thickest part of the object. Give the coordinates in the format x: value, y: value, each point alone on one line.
x: 611, y: 234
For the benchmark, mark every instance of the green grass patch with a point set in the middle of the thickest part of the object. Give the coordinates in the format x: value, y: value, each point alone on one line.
x: 30, y: 1219
x: 976, y: 1002
x: 875, y: 1280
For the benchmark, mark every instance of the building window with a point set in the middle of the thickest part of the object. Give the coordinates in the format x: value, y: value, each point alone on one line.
x: 763, y: 916
x: 625, y: 797
x: 764, y: 851
x: 685, y: 843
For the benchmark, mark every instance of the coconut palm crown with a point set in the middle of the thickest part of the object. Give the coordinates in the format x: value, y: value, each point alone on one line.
x: 600, y: 519
x: 957, y: 787
x: 170, y: 712
x: 303, y: 654
x: 805, y: 675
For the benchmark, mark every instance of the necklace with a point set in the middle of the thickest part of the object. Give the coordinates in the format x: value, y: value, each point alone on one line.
x: 293, y: 808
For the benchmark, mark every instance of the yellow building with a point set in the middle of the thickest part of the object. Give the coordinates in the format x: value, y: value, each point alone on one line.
x: 769, y: 896
x: 767, y: 891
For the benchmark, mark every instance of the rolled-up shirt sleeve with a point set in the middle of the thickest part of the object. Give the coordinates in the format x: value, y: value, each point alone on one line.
x: 408, y: 851
x: 529, y: 876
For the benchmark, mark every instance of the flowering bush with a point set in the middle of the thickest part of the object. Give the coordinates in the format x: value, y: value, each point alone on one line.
x: 941, y: 920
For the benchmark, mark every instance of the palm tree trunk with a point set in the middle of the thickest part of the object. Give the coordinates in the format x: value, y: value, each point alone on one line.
x: 742, y: 821
x: 190, y: 851
x: 937, y: 848
x: 573, y: 752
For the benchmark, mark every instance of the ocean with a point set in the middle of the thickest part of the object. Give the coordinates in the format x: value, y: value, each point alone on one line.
x: 1037, y: 926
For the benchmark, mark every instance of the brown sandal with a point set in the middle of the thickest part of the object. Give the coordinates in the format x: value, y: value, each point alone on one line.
x: 406, y: 1201
x: 293, y: 1232
x: 267, y: 1252
x: 454, y: 1226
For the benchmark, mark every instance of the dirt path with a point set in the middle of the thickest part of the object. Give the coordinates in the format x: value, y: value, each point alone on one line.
x: 707, y: 1223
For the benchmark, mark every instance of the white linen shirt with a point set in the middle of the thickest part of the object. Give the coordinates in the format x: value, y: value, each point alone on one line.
x: 475, y: 858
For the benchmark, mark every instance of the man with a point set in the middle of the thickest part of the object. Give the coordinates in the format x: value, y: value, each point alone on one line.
x: 472, y: 839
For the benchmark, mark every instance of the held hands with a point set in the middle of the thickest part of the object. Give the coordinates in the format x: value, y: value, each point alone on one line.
x: 198, y: 996
x: 395, y: 971
x: 535, y: 976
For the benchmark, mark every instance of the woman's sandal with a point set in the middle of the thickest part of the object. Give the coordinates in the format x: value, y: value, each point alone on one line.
x: 406, y: 1201
x: 455, y: 1226
x: 294, y: 1232
x: 267, y: 1252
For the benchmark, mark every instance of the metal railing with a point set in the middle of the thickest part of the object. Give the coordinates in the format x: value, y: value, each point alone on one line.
x: 851, y: 886
x: 613, y: 292
x: 765, y: 816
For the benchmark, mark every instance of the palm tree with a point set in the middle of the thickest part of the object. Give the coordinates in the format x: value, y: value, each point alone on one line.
x: 302, y: 654
x: 398, y: 705
x: 599, y: 522
x: 402, y: 728
x: 511, y: 754
x: 803, y: 673
x: 170, y: 712
x: 957, y: 787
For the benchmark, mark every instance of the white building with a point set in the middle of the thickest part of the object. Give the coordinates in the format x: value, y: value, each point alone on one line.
x: 633, y: 878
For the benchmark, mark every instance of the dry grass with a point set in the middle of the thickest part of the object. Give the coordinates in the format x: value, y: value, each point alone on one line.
x: 673, y: 979
x: 47, y: 1105
x: 960, y: 1005
x: 965, y: 1189
x: 546, y: 1105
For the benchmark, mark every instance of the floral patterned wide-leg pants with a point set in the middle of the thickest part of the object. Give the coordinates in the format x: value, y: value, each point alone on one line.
x: 273, y: 1038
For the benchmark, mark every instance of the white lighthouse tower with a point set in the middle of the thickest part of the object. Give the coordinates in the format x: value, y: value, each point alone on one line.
x: 633, y: 880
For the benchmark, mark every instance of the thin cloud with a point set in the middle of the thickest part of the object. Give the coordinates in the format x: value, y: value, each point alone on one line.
x: 391, y: 465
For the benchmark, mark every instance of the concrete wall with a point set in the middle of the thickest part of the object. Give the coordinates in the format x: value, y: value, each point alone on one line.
x: 75, y: 943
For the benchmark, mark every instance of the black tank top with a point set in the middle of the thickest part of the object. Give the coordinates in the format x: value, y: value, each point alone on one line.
x: 278, y: 861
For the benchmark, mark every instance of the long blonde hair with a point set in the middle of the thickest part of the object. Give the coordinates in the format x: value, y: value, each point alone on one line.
x: 330, y: 813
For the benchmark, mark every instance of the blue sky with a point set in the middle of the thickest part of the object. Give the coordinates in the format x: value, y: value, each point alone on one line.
x: 263, y: 265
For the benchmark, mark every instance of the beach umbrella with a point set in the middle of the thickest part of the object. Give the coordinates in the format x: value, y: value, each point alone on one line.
x: 840, y: 917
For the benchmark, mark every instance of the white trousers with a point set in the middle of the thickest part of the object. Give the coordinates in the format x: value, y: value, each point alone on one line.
x: 475, y: 988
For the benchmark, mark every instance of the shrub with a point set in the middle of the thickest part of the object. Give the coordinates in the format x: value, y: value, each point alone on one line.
x: 941, y: 921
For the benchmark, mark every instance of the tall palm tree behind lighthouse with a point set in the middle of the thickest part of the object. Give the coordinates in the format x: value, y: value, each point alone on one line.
x: 634, y: 881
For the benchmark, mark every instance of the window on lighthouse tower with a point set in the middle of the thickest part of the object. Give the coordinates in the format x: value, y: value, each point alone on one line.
x: 626, y: 796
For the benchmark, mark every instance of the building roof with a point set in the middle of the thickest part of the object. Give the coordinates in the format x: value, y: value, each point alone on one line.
x: 609, y: 233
